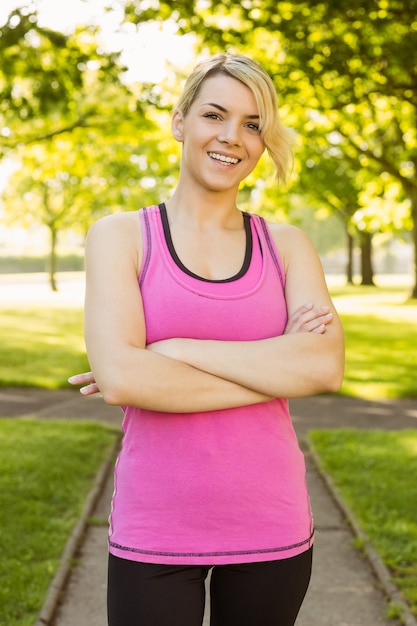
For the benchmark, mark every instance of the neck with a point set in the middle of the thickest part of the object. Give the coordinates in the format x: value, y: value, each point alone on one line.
x: 210, y: 209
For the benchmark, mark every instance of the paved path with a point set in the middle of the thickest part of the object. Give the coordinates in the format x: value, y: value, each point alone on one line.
x: 344, y: 590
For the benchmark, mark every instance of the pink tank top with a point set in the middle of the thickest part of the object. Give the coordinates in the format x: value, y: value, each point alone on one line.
x: 213, y: 487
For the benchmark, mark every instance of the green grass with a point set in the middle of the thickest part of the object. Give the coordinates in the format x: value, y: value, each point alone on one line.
x: 380, y: 327
x: 46, y: 471
x: 375, y: 473
x: 381, y: 355
x: 41, y: 346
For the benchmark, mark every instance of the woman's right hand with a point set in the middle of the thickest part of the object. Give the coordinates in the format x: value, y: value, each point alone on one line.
x: 309, y: 319
x: 89, y: 385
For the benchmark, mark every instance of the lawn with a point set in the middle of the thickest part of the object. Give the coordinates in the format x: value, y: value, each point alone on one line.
x: 380, y: 327
x: 375, y: 473
x: 47, y: 469
x: 381, y: 355
x: 41, y: 346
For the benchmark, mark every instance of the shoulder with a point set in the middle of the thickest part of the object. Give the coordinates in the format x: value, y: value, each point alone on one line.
x: 125, y: 227
x: 119, y: 234
x: 282, y: 231
x: 291, y: 242
x: 116, y: 224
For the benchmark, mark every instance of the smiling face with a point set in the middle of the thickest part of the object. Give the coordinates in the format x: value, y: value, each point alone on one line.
x: 220, y: 134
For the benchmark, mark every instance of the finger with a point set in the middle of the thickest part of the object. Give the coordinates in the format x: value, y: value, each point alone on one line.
x: 311, y: 313
x: 325, y: 319
x: 89, y: 390
x: 321, y: 319
x: 320, y: 329
x: 317, y: 323
x: 307, y: 318
x: 81, y: 379
x: 317, y: 313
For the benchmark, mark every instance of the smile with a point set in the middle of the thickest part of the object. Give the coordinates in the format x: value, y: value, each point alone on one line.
x: 222, y: 158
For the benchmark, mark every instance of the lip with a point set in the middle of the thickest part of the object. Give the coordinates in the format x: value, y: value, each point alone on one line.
x: 226, y: 157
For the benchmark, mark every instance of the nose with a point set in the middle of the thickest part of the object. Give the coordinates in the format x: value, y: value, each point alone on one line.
x: 230, y: 133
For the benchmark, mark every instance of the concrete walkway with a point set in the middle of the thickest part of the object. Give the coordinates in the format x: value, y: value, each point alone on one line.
x: 345, y: 589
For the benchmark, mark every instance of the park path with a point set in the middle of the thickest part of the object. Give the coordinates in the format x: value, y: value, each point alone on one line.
x: 344, y: 590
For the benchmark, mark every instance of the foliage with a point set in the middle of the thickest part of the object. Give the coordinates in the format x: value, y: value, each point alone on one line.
x: 83, y: 144
x: 375, y: 474
x: 69, y: 182
x: 46, y: 472
x: 51, y: 83
x: 323, y: 227
x: 355, y: 64
x: 346, y: 74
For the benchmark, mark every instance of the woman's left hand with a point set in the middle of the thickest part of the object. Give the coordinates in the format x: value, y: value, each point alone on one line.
x: 309, y: 319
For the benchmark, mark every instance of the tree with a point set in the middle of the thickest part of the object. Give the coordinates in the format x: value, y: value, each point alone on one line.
x: 331, y: 185
x: 59, y: 185
x: 366, y: 204
x: 361, y: 60
x: 79, y: 134
x: 356, y: 62
x: 73, y: 179
x: 49, y: 82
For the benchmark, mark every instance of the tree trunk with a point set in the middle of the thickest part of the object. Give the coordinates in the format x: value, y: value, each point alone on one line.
x: 349, y: 266
x: 366, y: 259
x: 52, y: 259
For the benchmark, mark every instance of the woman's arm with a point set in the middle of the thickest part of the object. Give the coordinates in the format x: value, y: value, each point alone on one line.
x: 293, y: 365
x: 307, y: 318
x: 124, y: 370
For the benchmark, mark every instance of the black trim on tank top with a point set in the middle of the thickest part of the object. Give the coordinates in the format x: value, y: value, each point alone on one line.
x: 178, y: 262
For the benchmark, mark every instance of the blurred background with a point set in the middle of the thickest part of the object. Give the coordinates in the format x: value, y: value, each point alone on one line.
x: 87, y: 88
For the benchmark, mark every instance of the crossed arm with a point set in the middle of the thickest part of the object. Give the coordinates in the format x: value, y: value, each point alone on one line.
x: 307, y: 359
x: 307, y: 319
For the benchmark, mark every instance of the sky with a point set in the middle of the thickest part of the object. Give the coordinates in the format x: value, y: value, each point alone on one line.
x: 144, y: 51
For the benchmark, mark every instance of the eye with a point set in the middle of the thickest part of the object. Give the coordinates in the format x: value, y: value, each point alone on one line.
x: 212, y: 115
x: 253, y: 126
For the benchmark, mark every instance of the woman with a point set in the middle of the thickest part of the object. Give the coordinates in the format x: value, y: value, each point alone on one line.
x: 200, y: 320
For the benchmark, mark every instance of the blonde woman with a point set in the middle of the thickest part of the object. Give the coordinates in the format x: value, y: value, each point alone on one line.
x: 201, y: 321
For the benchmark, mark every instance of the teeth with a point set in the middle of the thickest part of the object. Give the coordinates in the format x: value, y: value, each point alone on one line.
x: 224, y: 159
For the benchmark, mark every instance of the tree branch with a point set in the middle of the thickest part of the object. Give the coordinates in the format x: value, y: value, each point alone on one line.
x: 80, y: 123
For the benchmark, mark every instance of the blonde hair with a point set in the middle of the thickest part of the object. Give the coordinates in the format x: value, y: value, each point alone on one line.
x: 277, y: 138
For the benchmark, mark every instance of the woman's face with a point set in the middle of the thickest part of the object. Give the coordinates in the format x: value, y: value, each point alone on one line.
x: 220, y: 134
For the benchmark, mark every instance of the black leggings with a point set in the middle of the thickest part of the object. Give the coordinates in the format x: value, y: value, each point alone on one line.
x: 250, y: 594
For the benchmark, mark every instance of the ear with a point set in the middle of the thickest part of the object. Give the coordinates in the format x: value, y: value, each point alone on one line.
x: 177, y: 124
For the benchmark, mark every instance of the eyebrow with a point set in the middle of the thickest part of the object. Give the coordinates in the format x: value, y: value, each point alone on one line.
x: 221, y: 108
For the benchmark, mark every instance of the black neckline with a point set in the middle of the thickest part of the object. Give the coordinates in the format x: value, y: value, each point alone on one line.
x: 178, y: 262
